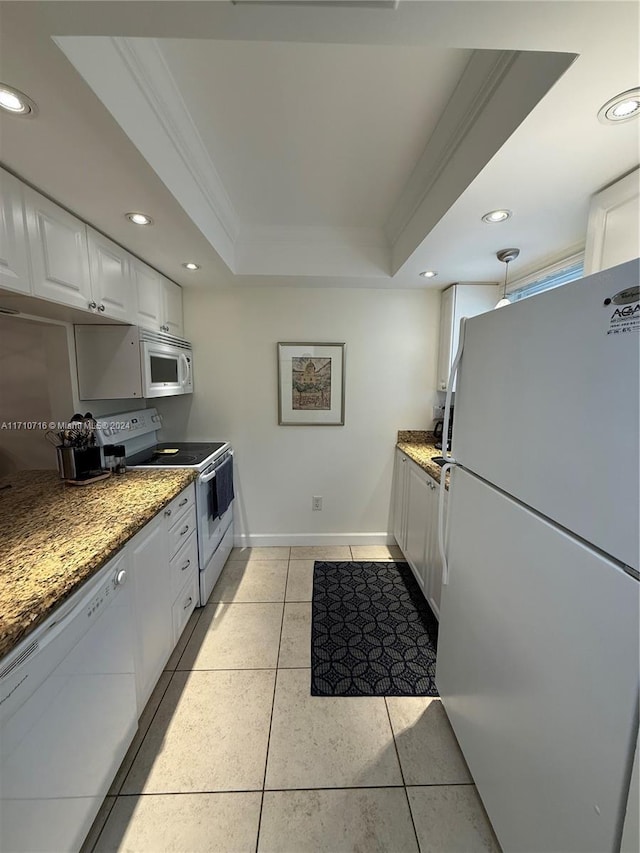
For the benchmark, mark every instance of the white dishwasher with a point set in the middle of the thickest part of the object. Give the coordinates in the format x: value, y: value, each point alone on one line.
x: 67, y: 716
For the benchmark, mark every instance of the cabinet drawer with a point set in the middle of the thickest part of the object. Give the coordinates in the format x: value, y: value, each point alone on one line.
x: 184, y: 605
x: 181, y: 530
x: 183, y: 564
x: 180, y: 504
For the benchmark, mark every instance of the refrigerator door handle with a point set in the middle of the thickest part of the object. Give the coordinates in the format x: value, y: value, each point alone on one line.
x: 447, y: 407
x: 441, y: 524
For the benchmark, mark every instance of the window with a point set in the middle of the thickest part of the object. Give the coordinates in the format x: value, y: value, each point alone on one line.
x: 548, y: 278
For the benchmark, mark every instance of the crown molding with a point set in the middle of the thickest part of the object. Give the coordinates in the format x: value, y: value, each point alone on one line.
x: 119, y: 70
x: 310, y: 251
x: 305, y: 235
x: 483, y: 73
x: 496, y: 92
x: 148, y: 67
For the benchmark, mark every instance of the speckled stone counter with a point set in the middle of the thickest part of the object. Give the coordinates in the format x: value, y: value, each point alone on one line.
x: 419, y: 446
x: 53, y: 537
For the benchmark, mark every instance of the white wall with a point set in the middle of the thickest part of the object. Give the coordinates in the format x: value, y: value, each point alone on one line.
x: 391, y: 345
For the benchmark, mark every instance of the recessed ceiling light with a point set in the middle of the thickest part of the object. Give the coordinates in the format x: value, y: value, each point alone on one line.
x: 624, y: 106
x: 139, y: 218
x: 16, y: 103
x: 191, y: 266
x: 497, y: 216
x: 429, y: 274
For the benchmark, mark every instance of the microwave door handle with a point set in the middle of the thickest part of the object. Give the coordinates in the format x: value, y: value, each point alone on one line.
x: 184, y: 379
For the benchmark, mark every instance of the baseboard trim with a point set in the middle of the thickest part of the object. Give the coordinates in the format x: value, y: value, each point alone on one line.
x: 255, y: 540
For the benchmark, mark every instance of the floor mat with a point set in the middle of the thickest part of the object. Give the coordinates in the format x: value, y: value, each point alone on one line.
x: 372, y: 631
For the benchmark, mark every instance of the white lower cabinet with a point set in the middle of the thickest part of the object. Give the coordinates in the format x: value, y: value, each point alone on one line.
x: 185, y: 604
x: 415, y: 525
x: 165, y: 580
x: 433, y: 558
x: 183, y: 564
x: 152, y: 605
x: 419, y: 491
x: 400, y: 500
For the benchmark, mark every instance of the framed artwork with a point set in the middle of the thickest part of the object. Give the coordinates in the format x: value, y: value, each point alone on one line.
x: 310, y: 384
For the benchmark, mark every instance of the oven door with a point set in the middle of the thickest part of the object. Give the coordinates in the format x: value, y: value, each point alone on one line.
x: 163, y: 369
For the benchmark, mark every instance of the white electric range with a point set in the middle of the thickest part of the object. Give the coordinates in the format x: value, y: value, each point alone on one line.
x: 137, y: 431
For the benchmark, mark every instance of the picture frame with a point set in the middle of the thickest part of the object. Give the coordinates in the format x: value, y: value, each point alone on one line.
x: 311, y: 384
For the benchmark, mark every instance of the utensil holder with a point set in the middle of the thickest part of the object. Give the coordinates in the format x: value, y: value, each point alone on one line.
x: 76, y: 463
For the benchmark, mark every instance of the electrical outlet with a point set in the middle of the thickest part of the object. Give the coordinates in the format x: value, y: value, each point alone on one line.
x: 438, y: 413
x: 316, y: 502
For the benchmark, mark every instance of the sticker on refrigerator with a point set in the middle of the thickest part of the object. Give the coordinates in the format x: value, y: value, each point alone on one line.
x: 624, y: 318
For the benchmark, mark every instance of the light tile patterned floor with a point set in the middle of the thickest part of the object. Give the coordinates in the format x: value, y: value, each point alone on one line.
x: 234, y: 754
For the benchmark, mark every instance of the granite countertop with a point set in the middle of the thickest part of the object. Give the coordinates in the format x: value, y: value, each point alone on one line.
x: 54, y: 536
x: 419, y: 446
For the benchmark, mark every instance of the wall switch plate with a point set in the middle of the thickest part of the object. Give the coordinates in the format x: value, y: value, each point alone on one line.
x: 316, y: 503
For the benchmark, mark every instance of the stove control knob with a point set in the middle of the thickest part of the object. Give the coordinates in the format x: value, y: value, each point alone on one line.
x: 120, y: 577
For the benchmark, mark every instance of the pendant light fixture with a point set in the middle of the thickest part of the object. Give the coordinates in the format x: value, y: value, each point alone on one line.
x: 506, y: 256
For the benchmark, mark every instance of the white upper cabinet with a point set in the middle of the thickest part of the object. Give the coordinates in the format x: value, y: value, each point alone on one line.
x: 49, y: 253
x: 172, y: 309
x: 14, y: 261
x: 159, y: 301
x: 613, y: 228
x: 148, y: 284
x: 58, y: 249
x: 447, y: 307
x: 111, y: 284
x: 458, y: 301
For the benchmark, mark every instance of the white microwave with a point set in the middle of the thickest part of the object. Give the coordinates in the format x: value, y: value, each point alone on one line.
x: 125, y: 362
x: 167, y: 365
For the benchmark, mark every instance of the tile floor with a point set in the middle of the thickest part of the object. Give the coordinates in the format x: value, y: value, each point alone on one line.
x: 233, y: 754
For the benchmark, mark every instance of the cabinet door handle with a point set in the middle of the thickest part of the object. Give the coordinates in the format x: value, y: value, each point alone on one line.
x: 93, y: 305
x: 100, y: 307
x: 185, y: 501
x: 188, y: 604
x: 167, y: 512
x: 186, y: 566
x: 184, y: 530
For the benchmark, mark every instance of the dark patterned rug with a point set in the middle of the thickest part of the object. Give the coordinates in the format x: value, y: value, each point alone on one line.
x: 372, y: 632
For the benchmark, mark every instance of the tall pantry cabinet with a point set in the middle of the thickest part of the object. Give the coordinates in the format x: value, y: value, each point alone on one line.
x: 459, y: 300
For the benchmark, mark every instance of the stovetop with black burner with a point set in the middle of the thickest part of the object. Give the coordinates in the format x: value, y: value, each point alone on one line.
x: 189, y: 453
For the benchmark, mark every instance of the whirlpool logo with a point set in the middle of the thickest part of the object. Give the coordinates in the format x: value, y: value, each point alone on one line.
x: 625, y: 297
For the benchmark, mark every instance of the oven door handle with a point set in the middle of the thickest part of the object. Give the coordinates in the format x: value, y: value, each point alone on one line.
x: 205, y: 478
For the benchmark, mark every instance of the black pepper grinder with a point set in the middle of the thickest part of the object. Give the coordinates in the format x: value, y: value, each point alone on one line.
x: 119, y: 459
x: 109, y: 462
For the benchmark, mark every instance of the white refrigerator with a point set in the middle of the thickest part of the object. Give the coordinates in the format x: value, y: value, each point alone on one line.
x: 538, y: 649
